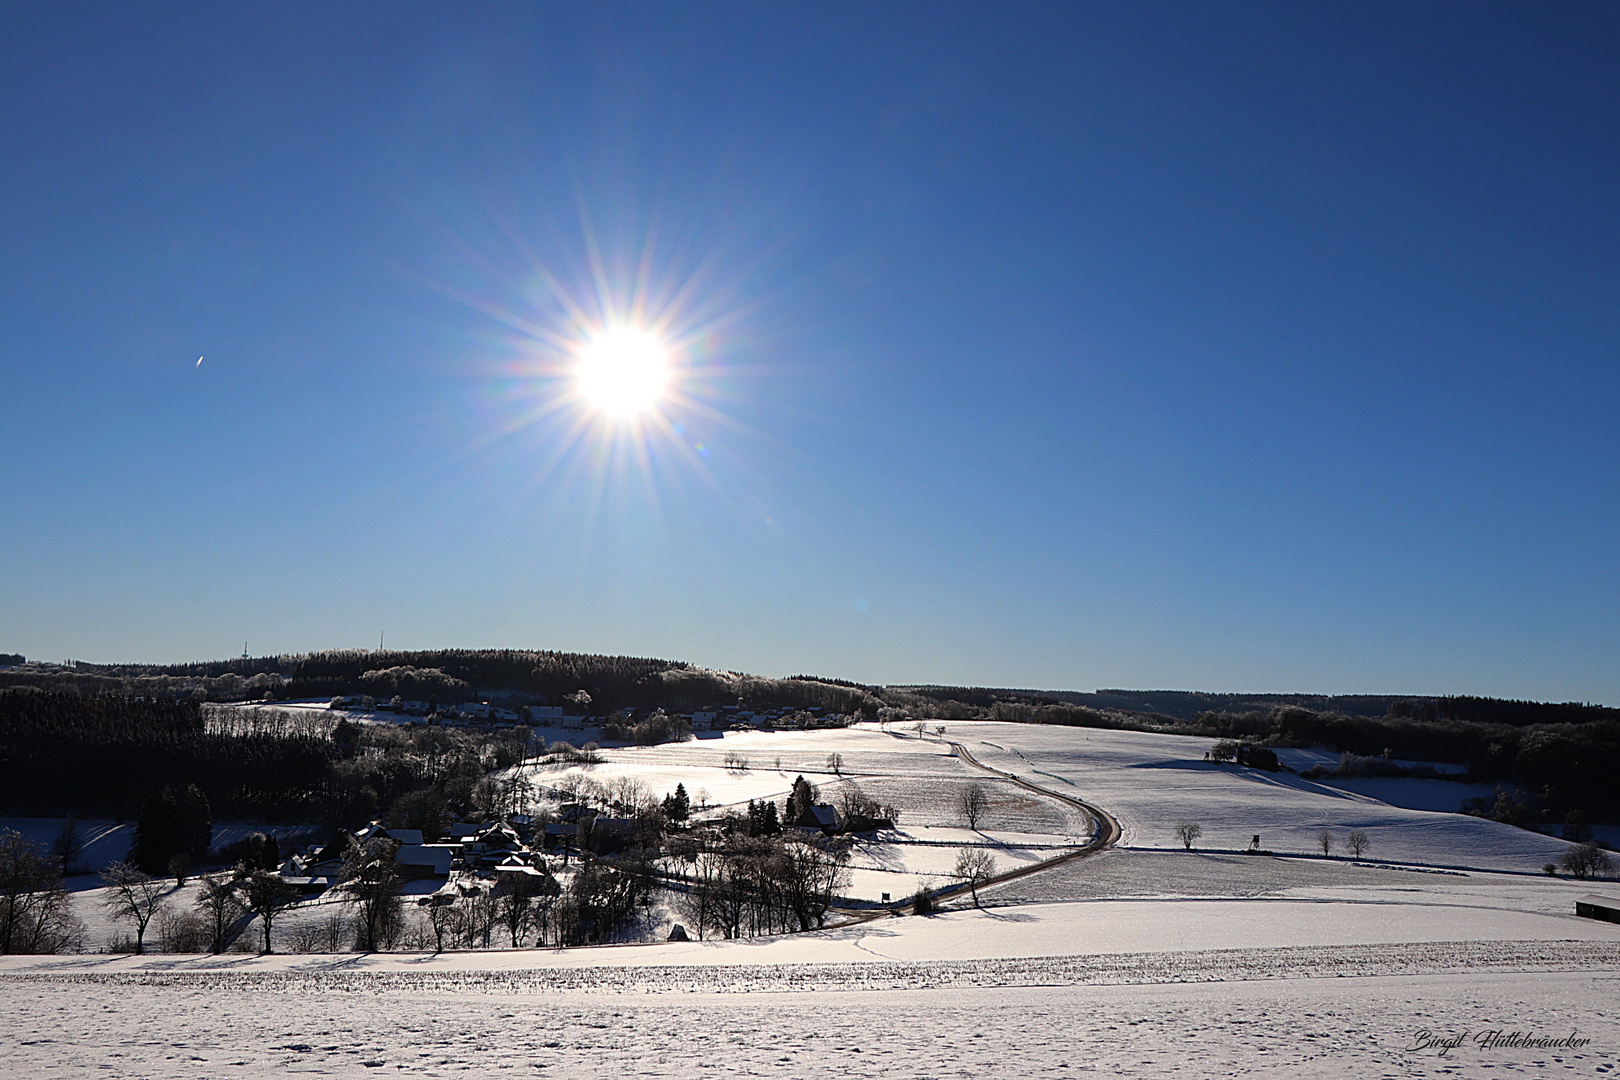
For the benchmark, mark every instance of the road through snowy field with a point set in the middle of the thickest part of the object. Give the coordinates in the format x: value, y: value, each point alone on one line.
x: 1250, y: 1026
x: 1140, y: 961
x: 1151, y: 782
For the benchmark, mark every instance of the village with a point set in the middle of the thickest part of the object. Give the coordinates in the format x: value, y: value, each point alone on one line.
x: 557, y: 855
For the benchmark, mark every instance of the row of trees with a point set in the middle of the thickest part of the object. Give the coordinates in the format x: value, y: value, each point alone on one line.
x: 611, y: 682
x: 64, y: 753
x: 1568, y: 765
x: 752, y: 885
x: 69, y: 754
x: 1357, y: 842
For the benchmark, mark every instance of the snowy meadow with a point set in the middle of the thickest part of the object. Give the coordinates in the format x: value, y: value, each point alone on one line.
x: 1146, y: 958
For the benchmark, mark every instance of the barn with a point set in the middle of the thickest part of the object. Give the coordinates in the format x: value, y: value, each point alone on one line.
x: 1593, y: 906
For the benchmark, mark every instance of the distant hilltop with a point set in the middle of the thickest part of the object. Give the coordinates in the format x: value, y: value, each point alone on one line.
x: 546, y: 677
x: 1185, y: 704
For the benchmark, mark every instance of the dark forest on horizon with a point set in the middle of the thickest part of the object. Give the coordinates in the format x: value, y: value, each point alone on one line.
x: 93, y: 738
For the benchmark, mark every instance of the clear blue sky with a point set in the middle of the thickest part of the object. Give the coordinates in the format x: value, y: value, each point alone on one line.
x: 1229, y: 347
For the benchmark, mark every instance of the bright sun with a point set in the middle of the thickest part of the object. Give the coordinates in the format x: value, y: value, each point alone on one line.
x: 622, y: 372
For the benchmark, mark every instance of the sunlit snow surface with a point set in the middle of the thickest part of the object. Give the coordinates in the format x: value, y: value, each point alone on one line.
x: 1146, y: 961
x: 1271, y: 1015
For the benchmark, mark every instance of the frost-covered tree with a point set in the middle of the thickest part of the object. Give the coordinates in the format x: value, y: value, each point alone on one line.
x: 1188, y: 833
x: 35, y: 914
x: 221, y: 906
x: 134, y: 895
x: 371, y: 878
x: 267, y: 894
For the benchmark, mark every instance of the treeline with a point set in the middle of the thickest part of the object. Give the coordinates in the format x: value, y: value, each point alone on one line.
x: 1566, y: 766
x: 76, y: 754
x: 64, y: 754
x: 1565, y: 755
x: 691, y: 688
x: 1478, y: 710
x: 611, y: 683
x: 83, y: 679
x: 755, y: 885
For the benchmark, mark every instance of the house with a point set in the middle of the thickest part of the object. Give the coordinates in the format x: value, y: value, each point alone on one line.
x: 296, y: 872
x: 496, y: 836
x: 417, y: 861
x: 506, y: 873
x: 1593, y: 906
x: 324, y: 862
x: 821, y: 817
x: 546, y: 715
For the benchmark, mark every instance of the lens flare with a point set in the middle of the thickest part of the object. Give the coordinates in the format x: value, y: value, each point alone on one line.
x: 622, y: 372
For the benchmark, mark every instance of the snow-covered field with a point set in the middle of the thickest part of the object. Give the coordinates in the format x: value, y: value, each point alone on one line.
x: 1142, y: 961
x: 1151, y: 782
x: 1321, y: 1012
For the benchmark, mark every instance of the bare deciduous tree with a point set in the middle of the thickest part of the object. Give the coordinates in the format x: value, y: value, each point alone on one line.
x: 320, y: 935
x: 518, y: 897
x: 133, y: 895
x: 1188, y: 832
x: 440, y: 909
x: 267, y: 894
x: 1584, y: 861
x: 1358, y: 842
x: 220, y: 906
x: 371, y: 878
x: 972, y: 801
x: 835, y: 764
x: 67, y: 846
x: 1324, y: 840
x: 975, y: 866
x: 35, y: 913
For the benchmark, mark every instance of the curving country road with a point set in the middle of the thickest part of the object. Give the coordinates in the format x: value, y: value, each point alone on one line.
x: 1105, y: 834
x: 1105, y: 831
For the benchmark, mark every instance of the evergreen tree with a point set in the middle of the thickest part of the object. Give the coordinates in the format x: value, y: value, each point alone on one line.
x: 678, y: 806
x: 799, y: 800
